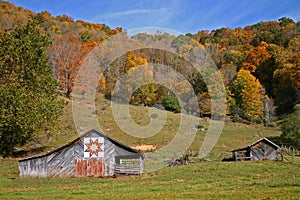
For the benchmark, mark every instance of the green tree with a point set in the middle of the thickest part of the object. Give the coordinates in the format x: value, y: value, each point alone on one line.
x: 291, y: 128
x: 170, y: 103
x: 27, y: 90
x: 284, y: 21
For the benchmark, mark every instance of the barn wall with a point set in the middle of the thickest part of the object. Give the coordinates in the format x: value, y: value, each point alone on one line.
x: 111, y: 150
x: 263, y: 151
x: 109, y: 158
x: 36, y: 168
x: 61, y: 163
x: 137, y: 170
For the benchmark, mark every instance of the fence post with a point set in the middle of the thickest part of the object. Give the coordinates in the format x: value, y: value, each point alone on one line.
x: 293, y: 154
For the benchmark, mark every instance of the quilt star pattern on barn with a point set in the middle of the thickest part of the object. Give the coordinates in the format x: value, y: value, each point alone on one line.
x: 94, y: 147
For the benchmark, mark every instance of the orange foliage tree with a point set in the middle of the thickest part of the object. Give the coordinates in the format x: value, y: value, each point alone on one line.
x: 256, y: 57
x: 66, y: 55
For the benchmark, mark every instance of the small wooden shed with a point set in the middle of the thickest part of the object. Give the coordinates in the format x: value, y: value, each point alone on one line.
x: 262, y: 149
x: 93, y: 154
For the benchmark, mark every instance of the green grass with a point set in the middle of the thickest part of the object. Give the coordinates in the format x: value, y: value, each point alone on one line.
x: 201, y: 180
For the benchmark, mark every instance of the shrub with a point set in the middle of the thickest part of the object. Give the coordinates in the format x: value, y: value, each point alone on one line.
x: 170, y: 103
x: 291, y: 130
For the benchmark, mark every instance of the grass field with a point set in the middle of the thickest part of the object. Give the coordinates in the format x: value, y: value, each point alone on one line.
x: 198, y: 180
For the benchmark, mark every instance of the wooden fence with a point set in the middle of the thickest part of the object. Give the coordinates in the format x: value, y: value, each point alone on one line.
x: 290, y: 151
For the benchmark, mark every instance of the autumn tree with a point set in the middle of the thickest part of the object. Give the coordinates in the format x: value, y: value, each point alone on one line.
x: 134, y: 61
x: 247, y: 93
x: 64, y: 61
x: 256, y: 57
x: 286, y: 82
x: 66, y: 55
x: 148, y: 95
x: 27, y: 90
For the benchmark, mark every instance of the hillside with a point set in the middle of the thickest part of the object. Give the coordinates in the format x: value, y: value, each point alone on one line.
x: 253, y: 70
x: 234, y: 135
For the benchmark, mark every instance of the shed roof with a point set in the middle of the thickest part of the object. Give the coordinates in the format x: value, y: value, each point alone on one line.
x: 258, y: 141
x: 78, y: 139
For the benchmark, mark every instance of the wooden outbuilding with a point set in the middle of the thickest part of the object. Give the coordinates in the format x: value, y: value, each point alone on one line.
x: 93, y: 154
x: 262, y: 149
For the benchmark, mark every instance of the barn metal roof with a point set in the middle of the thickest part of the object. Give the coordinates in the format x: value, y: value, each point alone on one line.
x: 79, y: 139
x: 262, y: 139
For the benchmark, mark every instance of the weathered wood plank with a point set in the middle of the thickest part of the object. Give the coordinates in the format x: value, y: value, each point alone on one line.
x: 69, y: 161
x: 129, y: 170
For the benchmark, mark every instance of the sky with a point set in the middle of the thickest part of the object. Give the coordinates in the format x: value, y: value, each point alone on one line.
x: 184, y: 16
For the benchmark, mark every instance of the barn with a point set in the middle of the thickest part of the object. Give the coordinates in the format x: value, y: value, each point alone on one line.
x: 262, y: 149
x: 93, y: 154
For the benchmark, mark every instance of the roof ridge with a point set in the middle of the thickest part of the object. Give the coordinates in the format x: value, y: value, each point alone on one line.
x: 79, y: 138
x: 250, y: 145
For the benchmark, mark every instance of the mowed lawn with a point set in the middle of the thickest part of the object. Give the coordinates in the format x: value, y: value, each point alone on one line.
x: 198, y: 180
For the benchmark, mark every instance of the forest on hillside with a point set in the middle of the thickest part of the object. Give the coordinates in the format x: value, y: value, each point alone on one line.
x: 259, y: 66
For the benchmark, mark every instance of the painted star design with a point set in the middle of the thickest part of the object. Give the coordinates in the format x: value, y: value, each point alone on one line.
x: 93, y: 147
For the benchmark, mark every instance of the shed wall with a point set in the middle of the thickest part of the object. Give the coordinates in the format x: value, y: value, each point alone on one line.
x: 264, y: 153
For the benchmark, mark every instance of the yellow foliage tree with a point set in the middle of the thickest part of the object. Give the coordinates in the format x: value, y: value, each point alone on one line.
x: 134, y: 61
x: 248, y: 95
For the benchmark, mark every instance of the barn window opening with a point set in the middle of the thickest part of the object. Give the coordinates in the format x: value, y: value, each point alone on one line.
x: 130, y: 162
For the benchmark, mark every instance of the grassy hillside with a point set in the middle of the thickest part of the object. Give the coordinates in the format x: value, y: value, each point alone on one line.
x: 234, y: 135
x: 198, y: 180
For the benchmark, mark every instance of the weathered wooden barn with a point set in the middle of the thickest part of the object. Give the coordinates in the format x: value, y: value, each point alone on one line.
x: 262, y: 149
x: 91, y: 155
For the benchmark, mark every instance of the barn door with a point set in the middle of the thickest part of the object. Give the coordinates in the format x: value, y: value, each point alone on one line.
x: 89, y: 167
x: 93, y: 154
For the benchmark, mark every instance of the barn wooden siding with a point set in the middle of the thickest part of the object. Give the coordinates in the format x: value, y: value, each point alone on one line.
x: 69, y: 160
x: 263, y: 149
